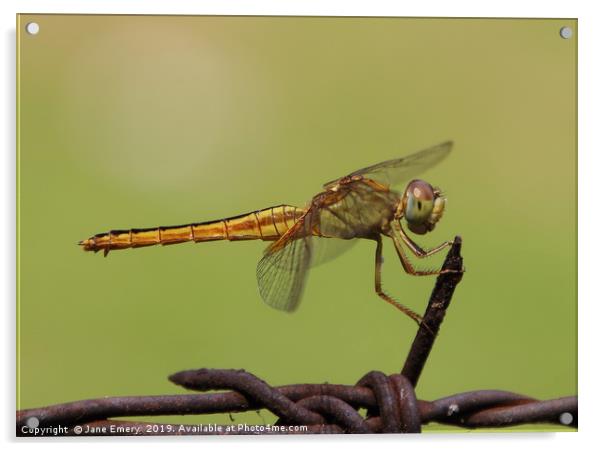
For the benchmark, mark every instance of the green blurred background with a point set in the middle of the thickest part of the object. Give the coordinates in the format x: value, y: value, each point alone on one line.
x: 138, y: 121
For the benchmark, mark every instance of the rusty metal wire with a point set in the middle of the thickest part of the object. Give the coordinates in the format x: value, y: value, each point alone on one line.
x: 390, y: 401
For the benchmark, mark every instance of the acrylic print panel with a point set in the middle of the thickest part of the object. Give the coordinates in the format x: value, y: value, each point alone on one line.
x: 143, y: 121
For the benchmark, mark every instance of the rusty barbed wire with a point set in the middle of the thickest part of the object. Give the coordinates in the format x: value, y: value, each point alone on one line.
x: 390, y: 401
x: 324, y: 408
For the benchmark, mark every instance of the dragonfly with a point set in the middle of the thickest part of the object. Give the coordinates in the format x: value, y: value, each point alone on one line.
x: 361, y: 205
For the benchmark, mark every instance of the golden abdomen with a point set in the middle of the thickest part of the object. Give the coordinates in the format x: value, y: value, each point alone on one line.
x: 268, y: 224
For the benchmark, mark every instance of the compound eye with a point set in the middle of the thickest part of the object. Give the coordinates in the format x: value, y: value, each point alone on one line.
x: 419, y: 203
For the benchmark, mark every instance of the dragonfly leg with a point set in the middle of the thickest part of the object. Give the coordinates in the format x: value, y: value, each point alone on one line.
x: 415, y: 248
x: 379, y: 289
x: 405, y: 261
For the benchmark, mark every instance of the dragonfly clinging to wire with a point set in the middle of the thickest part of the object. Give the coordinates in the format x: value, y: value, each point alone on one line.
x: 363, y: 204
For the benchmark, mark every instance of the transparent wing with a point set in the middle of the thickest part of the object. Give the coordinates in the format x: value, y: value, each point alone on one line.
x: 324, y: 250
x: 393, y: 172
x: 282, y: 271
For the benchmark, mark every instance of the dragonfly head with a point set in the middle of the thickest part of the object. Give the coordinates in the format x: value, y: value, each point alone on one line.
x: 423, y: 206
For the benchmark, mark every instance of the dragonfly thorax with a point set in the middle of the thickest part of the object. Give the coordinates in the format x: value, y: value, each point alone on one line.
x: 355, y: 208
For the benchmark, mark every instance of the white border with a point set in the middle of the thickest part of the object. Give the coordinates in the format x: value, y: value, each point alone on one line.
x: 590, y: 226
x: 510, y: 8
